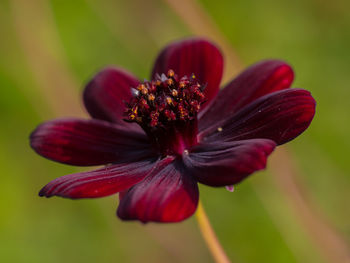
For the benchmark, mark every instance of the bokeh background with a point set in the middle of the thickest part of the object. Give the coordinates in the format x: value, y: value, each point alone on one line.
x: 295, y: 211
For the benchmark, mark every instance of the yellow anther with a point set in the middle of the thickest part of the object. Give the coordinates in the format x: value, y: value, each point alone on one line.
x: 193, y: 76
x: 132, y: 117
x: 141, y: 87
x: 169, y: 100
x: 170, y: 82
x: 174, y: 92
x: 220, y: 129
x: 182, y: 84
x: 151, y: 97
x: 158, y: 82
x: 144, y: 90
x: 171, y: 73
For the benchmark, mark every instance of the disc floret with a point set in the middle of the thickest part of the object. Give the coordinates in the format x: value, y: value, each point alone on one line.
x: 167, y: 107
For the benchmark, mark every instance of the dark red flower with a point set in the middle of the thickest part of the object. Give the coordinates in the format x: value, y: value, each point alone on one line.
x: 161, y: 137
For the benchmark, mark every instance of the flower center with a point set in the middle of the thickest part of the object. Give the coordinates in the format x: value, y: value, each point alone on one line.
x: 166, y: 108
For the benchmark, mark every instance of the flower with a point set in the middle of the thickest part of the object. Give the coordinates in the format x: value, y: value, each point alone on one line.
x: 159, y: 138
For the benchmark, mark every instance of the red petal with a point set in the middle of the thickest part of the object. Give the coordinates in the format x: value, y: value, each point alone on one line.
x: 227, y: 163
x: 280, y: 116
x: 105, y: 95
x: 166, y: 195
x: 88, y: 142
x: 256, y: 81
x: 196, y: 56
x: 98, y: 183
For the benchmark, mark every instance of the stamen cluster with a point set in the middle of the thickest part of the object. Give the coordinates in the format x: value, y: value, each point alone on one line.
x: 164, y: 100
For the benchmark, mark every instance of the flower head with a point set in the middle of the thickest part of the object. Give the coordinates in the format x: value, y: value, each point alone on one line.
x: 159, y: 138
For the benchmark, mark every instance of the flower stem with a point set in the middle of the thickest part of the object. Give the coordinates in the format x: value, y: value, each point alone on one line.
x: 209, y: 236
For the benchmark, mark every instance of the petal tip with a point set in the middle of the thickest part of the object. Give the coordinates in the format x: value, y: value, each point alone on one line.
x: 44, y: 193
x: 104, y: 94
x: 196, y: 56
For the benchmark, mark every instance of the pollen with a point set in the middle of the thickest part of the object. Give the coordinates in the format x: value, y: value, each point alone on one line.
x: 141, y: 87
x: 144, y: 90
x: 169, y: 101
x: 171, y: 73
x: 170, y: 82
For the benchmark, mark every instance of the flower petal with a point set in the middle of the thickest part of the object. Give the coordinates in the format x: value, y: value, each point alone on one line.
x: 166, y: 195
x: 196, y: 56
x: 105, y: 95
x: 227, y: 163
x: 256, y: 81
x: 280, y: 116
x: 102, y: 182
x: 88, y: 142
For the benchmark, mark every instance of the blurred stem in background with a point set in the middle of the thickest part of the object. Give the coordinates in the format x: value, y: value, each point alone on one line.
x: 209, y: 236
x: 331, y: 245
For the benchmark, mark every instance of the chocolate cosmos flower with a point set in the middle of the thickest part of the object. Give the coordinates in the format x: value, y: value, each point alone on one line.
x: 159, y: 138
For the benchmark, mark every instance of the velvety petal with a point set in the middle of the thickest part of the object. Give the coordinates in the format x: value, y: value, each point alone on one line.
x: 88, y: 142
x: 256, y: 81
x: 105, y: 95
x: 196, y: 56
x: 123, y: 193
x: 102, y: 182
x: 280, y: 116
x: 166, y: 195
x: 227, y: 163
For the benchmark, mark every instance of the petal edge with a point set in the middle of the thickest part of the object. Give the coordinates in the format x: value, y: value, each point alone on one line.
x: 279, y: 116
x: 193, y: 55
x: 256, y: 81
x: 98, y: 183
x: 105, y: 95
x: 167, y: 195
x: 88, y: 142
x: 227, y: 163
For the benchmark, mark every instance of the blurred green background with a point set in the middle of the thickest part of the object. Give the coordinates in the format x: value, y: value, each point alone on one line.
x: 49, y: 49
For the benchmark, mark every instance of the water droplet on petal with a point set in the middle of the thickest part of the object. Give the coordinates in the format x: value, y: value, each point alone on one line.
x: 230, y: 188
